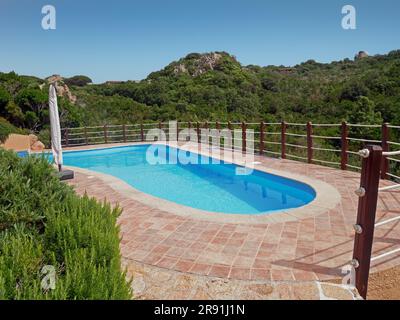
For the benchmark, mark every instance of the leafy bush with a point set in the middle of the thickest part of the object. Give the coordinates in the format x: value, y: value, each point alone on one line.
x: 45, y: 137
x: 6, y: 129
x: 31, y: 99
x: 43, y: 222
x: 5, y: 97
x: 79, y: 81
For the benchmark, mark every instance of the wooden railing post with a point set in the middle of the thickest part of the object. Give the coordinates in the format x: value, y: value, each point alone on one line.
x: 368, y: 196
x: 262, y: 129
x: 105, y: 134
x: 86, y: 136
x: 218, y: 128
x: 232, y: 134
x: 244, y: 143
x: 189, y: 133
x: 385, y: 148
x: 66, y: 137
x: 345, y: 146
x: 283, y: 140
x: 141, y: 132
x: 198, y: 132
x: 177, y: 131
x: 309, y: 142
x: 124, y: 132
x: 207, y: 135
x: 159, y: 126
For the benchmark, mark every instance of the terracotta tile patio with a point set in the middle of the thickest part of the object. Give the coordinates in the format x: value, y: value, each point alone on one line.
x: 313, y: 248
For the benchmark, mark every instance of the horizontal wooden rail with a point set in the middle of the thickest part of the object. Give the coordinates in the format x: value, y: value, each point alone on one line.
x: 358, y: 125
x: 292, y: 139
x: 326, y: 137
x: 325, y: 149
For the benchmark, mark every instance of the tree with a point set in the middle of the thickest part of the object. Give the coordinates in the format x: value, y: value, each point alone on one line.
x: 79, y: 81
x: 14, y: 113
x: 364, y: 112
x: 354, y: 91
x: 31, y: 99
x: 269, y: 84
x: 4, y: 99
x: 5, y: 129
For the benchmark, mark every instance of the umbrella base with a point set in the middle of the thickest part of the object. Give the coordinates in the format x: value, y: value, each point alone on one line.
x: 66, y: 175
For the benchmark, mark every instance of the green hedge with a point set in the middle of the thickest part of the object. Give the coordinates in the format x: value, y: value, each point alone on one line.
x: 43, y: 222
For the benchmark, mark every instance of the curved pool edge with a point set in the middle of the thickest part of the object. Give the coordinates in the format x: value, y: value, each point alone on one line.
x: 327, y: 197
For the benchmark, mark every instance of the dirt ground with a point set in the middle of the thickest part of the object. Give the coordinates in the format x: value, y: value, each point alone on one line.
x: 384, y: 285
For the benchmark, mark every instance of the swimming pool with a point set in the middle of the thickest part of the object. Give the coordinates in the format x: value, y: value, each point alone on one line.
x: 209, y: 187
x: 23, y: 154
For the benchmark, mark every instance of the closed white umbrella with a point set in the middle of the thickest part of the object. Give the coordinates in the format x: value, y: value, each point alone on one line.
x: 55, y: 128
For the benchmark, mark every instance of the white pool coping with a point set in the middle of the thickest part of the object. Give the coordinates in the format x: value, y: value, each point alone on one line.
x: 327, y: 196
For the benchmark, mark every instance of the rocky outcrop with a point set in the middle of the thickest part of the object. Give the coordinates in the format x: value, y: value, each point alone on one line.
x: 180, y: 68
x: 207, y: 62
x: 36, y: 145
x: 197, y: 64
x: 361, y: 55
x: 62, y: 89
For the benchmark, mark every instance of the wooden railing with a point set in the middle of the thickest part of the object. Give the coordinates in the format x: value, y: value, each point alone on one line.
x: 273, y: 139
x: 373, y: 166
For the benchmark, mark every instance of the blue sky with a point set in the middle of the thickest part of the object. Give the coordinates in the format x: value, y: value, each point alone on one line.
x: 121, y: 39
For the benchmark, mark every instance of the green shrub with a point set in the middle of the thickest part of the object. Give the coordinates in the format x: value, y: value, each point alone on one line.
x: 6, y: 129
x: 79, y: 81
x: 44, y: 137
x: 20, y: 264
x: 5, y: 97
x: 43, y: 222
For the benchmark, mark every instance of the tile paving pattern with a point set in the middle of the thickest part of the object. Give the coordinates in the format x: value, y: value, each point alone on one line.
x: 308, y: 249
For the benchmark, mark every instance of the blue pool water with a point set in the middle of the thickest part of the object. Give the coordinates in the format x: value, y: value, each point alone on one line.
x: 22, y: 154
x: 210, y: 187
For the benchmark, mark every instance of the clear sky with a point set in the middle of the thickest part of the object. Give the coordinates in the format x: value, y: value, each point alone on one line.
x: 121, y: 39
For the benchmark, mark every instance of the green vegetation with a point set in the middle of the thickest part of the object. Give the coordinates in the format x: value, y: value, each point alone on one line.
x: 215, y: 86
x: 43, y: 222
x: 23, y: 103
x: 79, y: 81
x: 6, y: 129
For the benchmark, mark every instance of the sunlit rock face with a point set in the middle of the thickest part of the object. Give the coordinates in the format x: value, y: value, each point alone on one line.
x: 36, y: 145
x: 61, y: 88
x: 361, y: 55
